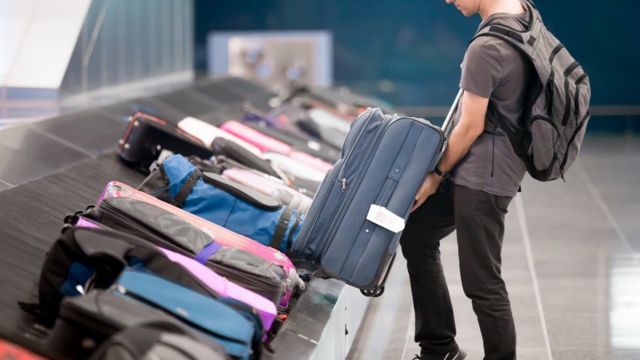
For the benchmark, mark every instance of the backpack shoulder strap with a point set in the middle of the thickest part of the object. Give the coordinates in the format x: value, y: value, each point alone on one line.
x: 523, y: 41
x: 515, y: 37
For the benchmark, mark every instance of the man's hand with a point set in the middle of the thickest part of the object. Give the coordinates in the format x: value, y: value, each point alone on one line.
x: 428, y: 188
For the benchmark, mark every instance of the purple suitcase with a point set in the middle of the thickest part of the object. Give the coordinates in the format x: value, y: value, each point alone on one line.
x: 220, y: 285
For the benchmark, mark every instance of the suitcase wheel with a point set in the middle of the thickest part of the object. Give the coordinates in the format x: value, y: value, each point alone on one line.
x: 69, y: 218
x: 66, y: 227
x: 89, y: 211
x: 376, y: 292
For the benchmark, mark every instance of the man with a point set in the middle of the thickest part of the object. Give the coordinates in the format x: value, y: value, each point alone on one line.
x: 485, y: 175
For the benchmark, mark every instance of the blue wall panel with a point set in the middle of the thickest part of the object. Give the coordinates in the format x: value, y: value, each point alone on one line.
x: 408, y: 52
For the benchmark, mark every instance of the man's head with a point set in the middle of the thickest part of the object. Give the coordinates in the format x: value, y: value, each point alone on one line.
x: 466, y: 7
x: 487, y: 7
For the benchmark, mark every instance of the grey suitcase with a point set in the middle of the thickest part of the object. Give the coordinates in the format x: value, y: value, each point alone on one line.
x: 354, y: 224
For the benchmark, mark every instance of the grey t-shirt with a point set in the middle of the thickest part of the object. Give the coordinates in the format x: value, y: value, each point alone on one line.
x: 493, y: 69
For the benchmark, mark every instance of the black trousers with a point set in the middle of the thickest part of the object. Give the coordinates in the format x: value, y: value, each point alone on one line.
x: 478, y: 218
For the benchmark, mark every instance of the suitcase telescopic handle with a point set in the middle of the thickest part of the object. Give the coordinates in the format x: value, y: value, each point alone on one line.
x: 447, y: 126
x: 448, y: 121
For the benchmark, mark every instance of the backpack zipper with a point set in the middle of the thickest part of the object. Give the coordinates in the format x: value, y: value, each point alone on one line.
x: 573, y: 137
x: 174, y: 312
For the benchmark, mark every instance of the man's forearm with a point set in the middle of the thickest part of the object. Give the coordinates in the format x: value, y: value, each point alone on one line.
x: 460, y: 142
x: 470, y: 126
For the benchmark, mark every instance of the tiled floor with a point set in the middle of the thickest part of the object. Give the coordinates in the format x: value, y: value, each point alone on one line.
x: 571, y: 262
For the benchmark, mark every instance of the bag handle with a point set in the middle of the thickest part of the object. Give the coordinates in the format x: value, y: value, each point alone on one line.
x: 242, y: 192
x: 187, y: 187
x: 448, y: 121
x: 447, y: 126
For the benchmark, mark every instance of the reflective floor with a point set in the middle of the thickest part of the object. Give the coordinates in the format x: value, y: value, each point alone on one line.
x: 571, y: 262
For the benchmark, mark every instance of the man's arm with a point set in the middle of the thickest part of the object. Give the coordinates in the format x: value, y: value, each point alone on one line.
x: 470, y: 127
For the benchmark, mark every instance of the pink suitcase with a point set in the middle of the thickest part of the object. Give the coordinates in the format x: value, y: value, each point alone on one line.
x: 263, y: 142
x: 221, y: 235
x: 83, y: 222
x: 265, y: 308
x: 207, y: 133
x: 220, y: 285
x: 270, y: 146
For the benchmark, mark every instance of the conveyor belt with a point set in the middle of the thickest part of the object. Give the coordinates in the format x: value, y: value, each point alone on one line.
x: 31, y: 220
x: 55, y: 167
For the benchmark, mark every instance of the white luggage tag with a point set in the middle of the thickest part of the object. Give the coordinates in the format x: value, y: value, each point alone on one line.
x: 384, y: 217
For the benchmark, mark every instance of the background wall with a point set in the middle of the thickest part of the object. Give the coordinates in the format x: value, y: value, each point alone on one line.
x: 124, y: 41
x: 408, y: 52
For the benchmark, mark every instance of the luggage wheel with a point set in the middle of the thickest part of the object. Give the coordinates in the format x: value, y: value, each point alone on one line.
x: 376, y: 292
x: 379, y: 290
x: 66, y: 227
x: 69, y: 218
x: 89, y: 211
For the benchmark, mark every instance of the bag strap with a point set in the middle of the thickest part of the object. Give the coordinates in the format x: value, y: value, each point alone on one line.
x: 242, y: 192
x: 515, y: 37
x: 294, y: 228
x: 187, y: 187
x: 152, y: 175
x: 281, y: 228
x: 207, y: 252
x: 521, y: 41
x: 233, y: 150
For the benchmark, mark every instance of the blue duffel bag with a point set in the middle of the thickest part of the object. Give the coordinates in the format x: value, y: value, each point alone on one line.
x: 225, y: 202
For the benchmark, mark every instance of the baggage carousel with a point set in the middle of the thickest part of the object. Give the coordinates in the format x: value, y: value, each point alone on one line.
x: 54, y: 167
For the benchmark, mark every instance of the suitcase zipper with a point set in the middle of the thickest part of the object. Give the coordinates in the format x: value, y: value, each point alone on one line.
x: 357, y: 178
x: 346, y: 157
x: 343, y: 181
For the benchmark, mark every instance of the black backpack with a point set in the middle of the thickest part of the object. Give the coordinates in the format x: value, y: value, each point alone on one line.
x: 161, y: 341
x: 557, y: 107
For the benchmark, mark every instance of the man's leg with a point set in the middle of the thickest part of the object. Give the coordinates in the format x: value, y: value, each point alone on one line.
x: 479, y: 218
x: 420, y: 241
